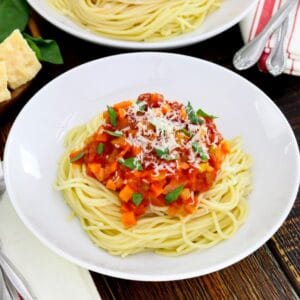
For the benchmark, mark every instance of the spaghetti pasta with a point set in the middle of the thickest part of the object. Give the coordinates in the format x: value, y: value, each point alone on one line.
x: 137, y: 20
x: 219, y: 213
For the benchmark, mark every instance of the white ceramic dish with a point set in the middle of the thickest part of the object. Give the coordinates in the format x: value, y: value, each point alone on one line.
x: 35, y: 145
x: 231, y: 12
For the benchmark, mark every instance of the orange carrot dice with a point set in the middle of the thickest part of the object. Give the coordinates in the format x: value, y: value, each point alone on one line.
x: 126, y: 193
x: 128, y: 218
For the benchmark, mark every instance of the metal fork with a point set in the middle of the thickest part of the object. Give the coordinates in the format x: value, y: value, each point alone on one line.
x: 2, y: 183
x: 4, y: 292
x: 11, y: 276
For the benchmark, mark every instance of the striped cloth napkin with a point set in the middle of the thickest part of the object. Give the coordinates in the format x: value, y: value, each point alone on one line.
x: 253, y: 24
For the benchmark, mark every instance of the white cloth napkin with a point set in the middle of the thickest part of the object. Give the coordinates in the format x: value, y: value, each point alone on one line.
x: 259, y: 17
x: 49, y: 276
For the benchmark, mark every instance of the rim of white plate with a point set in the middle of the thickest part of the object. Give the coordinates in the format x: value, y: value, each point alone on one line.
x: 170, y: 44
x: 155, y: 277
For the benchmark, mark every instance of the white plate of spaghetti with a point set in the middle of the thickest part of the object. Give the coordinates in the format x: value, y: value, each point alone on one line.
x: 146, y: 24
x: 138, y: 167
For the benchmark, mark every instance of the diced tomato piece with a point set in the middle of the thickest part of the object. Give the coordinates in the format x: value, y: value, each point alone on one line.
x: 123, y: 104
x: 157, y: 189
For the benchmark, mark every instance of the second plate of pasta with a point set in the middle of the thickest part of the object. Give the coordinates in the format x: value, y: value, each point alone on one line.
x: 148, y: 24
x: 155, y: 186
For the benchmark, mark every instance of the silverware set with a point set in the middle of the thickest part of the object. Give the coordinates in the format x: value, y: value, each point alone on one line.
x: 12, y: 283
x: 249, y: 55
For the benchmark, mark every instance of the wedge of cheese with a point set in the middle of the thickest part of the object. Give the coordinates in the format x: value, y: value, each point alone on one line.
x: 21, y: 62
x: 4, y: 92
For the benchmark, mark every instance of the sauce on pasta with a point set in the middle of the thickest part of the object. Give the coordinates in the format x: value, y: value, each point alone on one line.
x: 154, y: 152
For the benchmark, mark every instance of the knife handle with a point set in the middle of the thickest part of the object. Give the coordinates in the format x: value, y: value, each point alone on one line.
x: 16, y: 278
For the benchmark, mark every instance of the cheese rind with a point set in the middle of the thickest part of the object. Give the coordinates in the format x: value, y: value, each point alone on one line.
x: 4, y: 92
x: 21, y: 62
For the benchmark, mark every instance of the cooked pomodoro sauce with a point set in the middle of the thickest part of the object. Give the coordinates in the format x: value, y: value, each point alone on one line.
x: 154, y: 152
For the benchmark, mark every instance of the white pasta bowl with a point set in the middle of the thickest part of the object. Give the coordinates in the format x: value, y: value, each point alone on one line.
x: 229, y: 14
x: 35, y: 144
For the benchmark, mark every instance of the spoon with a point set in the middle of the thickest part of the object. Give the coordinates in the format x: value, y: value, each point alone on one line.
x: 248, y: 55
x: 276, y: 62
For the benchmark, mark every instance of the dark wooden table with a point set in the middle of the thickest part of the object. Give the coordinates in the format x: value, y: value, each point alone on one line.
x: 272, y: 272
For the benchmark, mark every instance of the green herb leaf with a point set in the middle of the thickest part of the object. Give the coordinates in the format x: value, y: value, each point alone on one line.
x: 112, y: 116
x: 45, y: 50
x: 14, y: 14
x: 203, y: 114
x: 77, y: 157
x: 114, y: 133
x: 192, y: 115
x: 186, y: 132
x: 132, y: 163
x: 172, y: 196
x: 100, y: 148
x: 161, y: 152
x: 141, y: 105
x: 165, y: 154
x: 198, y: 149
x: 137, y: 199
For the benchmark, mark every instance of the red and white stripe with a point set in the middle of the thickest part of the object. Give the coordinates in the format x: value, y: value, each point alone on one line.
x: 254, y: 23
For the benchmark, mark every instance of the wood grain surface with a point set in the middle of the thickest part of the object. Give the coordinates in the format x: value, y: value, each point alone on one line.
x: 272, y: 272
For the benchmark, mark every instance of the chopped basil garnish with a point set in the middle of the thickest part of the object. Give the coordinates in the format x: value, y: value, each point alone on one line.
x: 132, y: 163
x: 77, y: 156
x: 165, y: 154
x: 137, y: 199
x: 114, y: 133
x: 192, y: 115
x: 198, y: 149
x: 186, y: 132
x: 172, y: 196
x: 100, y: 148
x: 112, y: 116
x: 141, y: 106
x: 203, y: 114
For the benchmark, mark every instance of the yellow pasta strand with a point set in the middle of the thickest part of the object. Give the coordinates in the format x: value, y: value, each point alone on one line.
x: 137, y: 20
x: 220, y: 212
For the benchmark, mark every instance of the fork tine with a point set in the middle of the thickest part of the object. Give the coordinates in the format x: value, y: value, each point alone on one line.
x: 2, y: 183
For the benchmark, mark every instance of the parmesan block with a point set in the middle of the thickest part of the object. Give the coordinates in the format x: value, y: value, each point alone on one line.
x: 21, y: 62
x: 4, y: 92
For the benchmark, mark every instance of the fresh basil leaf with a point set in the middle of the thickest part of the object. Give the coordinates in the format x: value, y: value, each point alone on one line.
x: 161, y: 152
x: 114, y: 133
x: 172, y: 196
x: 141, y: 106
x: 100, y: 148
x: 14, y: 14
x: 192, y: 115
x: 132, y: 163
x: 198, y: 149
x: 164, y: 154
x: 186, y: 132
x: 203, y: 114
x: 112, y: 116
x: 77, y: 156
x: 137, y: 199
x: 45, y: 50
